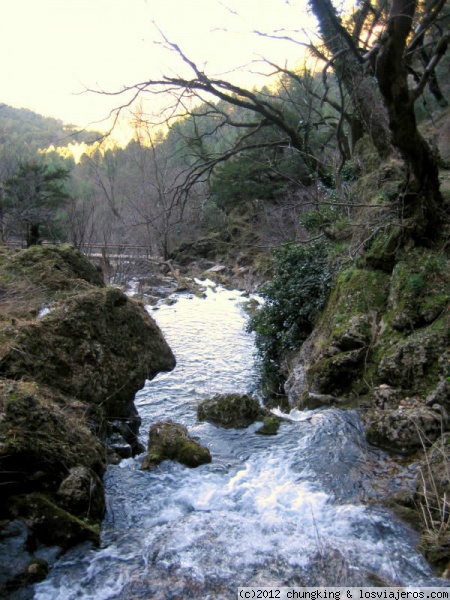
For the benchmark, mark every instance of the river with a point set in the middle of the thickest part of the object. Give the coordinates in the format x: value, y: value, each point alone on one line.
x: 298, y: 508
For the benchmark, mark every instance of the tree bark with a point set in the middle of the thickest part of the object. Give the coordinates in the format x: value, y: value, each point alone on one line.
x: 423, y: 199
x: 349, y: 68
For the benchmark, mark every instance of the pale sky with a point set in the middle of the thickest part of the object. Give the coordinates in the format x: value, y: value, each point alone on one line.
x: 51, y: 50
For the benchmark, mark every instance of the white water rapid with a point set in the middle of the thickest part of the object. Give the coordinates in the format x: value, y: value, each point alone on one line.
x: 269, y: 510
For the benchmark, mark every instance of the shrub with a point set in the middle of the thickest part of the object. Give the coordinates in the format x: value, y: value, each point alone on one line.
x: 293, y: 300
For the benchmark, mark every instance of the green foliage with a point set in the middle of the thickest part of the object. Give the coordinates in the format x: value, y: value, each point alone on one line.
x: 294, y: 299
x: 32, y: 196
x: 242, y: 180
x: 416, y: 284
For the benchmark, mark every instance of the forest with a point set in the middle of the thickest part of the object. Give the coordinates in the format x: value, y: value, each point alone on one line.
x: 221, y: 157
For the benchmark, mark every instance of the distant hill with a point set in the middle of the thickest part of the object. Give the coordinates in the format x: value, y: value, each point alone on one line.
x: 24, y: 132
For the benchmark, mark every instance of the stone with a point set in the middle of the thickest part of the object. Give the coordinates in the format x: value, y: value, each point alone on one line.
x: 171, y: 441
x: 81, y: 493
x: 270, y: 426
x: 407, y: 429
x: 230, y: 410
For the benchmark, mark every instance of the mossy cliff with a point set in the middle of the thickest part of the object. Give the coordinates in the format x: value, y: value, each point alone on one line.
x: 379, y: 329
x: 382, y: 345
x: 73, y: 353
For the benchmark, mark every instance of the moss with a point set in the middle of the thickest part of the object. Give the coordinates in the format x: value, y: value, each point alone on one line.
x: 49, y: 523
x: 97, y: 346
x: 383, y: 249
x: 270, y: 426
x: 230, y: 410
x: 56, y: 266
x: 414, y: 362
x: 419, y: 290
x: 171, y: 441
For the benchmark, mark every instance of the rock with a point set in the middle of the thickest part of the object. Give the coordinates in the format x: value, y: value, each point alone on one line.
x: 81, y: 493
x: 119, y: 446
x: 313, y: 401
x: 37, y: 570
x: 230, y: 410
x: 334, y: 375
x: 43, y: 434
x: 408, y: 429
x: 49, y: 523
x: 385, y: 396
x: 99, y: 347
x: 441, y: 395
x: 171, y: 441
x: 270, y: 426
x: 410, y: 361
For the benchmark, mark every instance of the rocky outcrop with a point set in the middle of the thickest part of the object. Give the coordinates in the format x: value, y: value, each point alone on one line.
x: 171, y: 441
x: 73, y: 353
x: 230, y: 410
x: 382, y: 344
x: 99, y: 347
x: 379, y: 329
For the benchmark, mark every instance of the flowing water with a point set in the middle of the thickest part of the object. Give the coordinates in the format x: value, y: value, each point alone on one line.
x: 269, y: 510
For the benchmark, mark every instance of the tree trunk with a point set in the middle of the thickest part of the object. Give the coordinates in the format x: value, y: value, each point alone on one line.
x: 348, y: 66
x: 423, y: 200
x: 33, y: 237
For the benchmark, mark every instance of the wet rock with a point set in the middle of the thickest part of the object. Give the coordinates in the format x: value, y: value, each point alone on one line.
x: 270, y: 426
x: 14, y: 557
x: 49, y: 523
x: 37, y: 570
x: 171, y: 441
x: 312, y: 400
x: 230, y: 410
x: 81, y: 493
x: 119, y: 446
x: 407, y: 429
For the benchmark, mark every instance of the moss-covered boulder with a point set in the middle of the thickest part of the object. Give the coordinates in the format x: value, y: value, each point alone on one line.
x: 73, y: 354
x: 171, y: 441
x: 230, y: 410
x: 49, y: 523
x: 270, y: 425
x: 43, y: 434
x: 99, y: 347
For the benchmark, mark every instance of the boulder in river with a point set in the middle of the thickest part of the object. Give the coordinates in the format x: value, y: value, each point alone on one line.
x: 230, y: 410
x: 171, y: 441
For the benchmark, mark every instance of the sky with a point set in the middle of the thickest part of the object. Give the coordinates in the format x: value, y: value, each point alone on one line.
x: 52, y: 50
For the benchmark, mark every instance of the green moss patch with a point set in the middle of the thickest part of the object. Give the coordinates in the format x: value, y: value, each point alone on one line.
x: 171, y: 441
x: 49, y: 523
x: 230, y: 410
